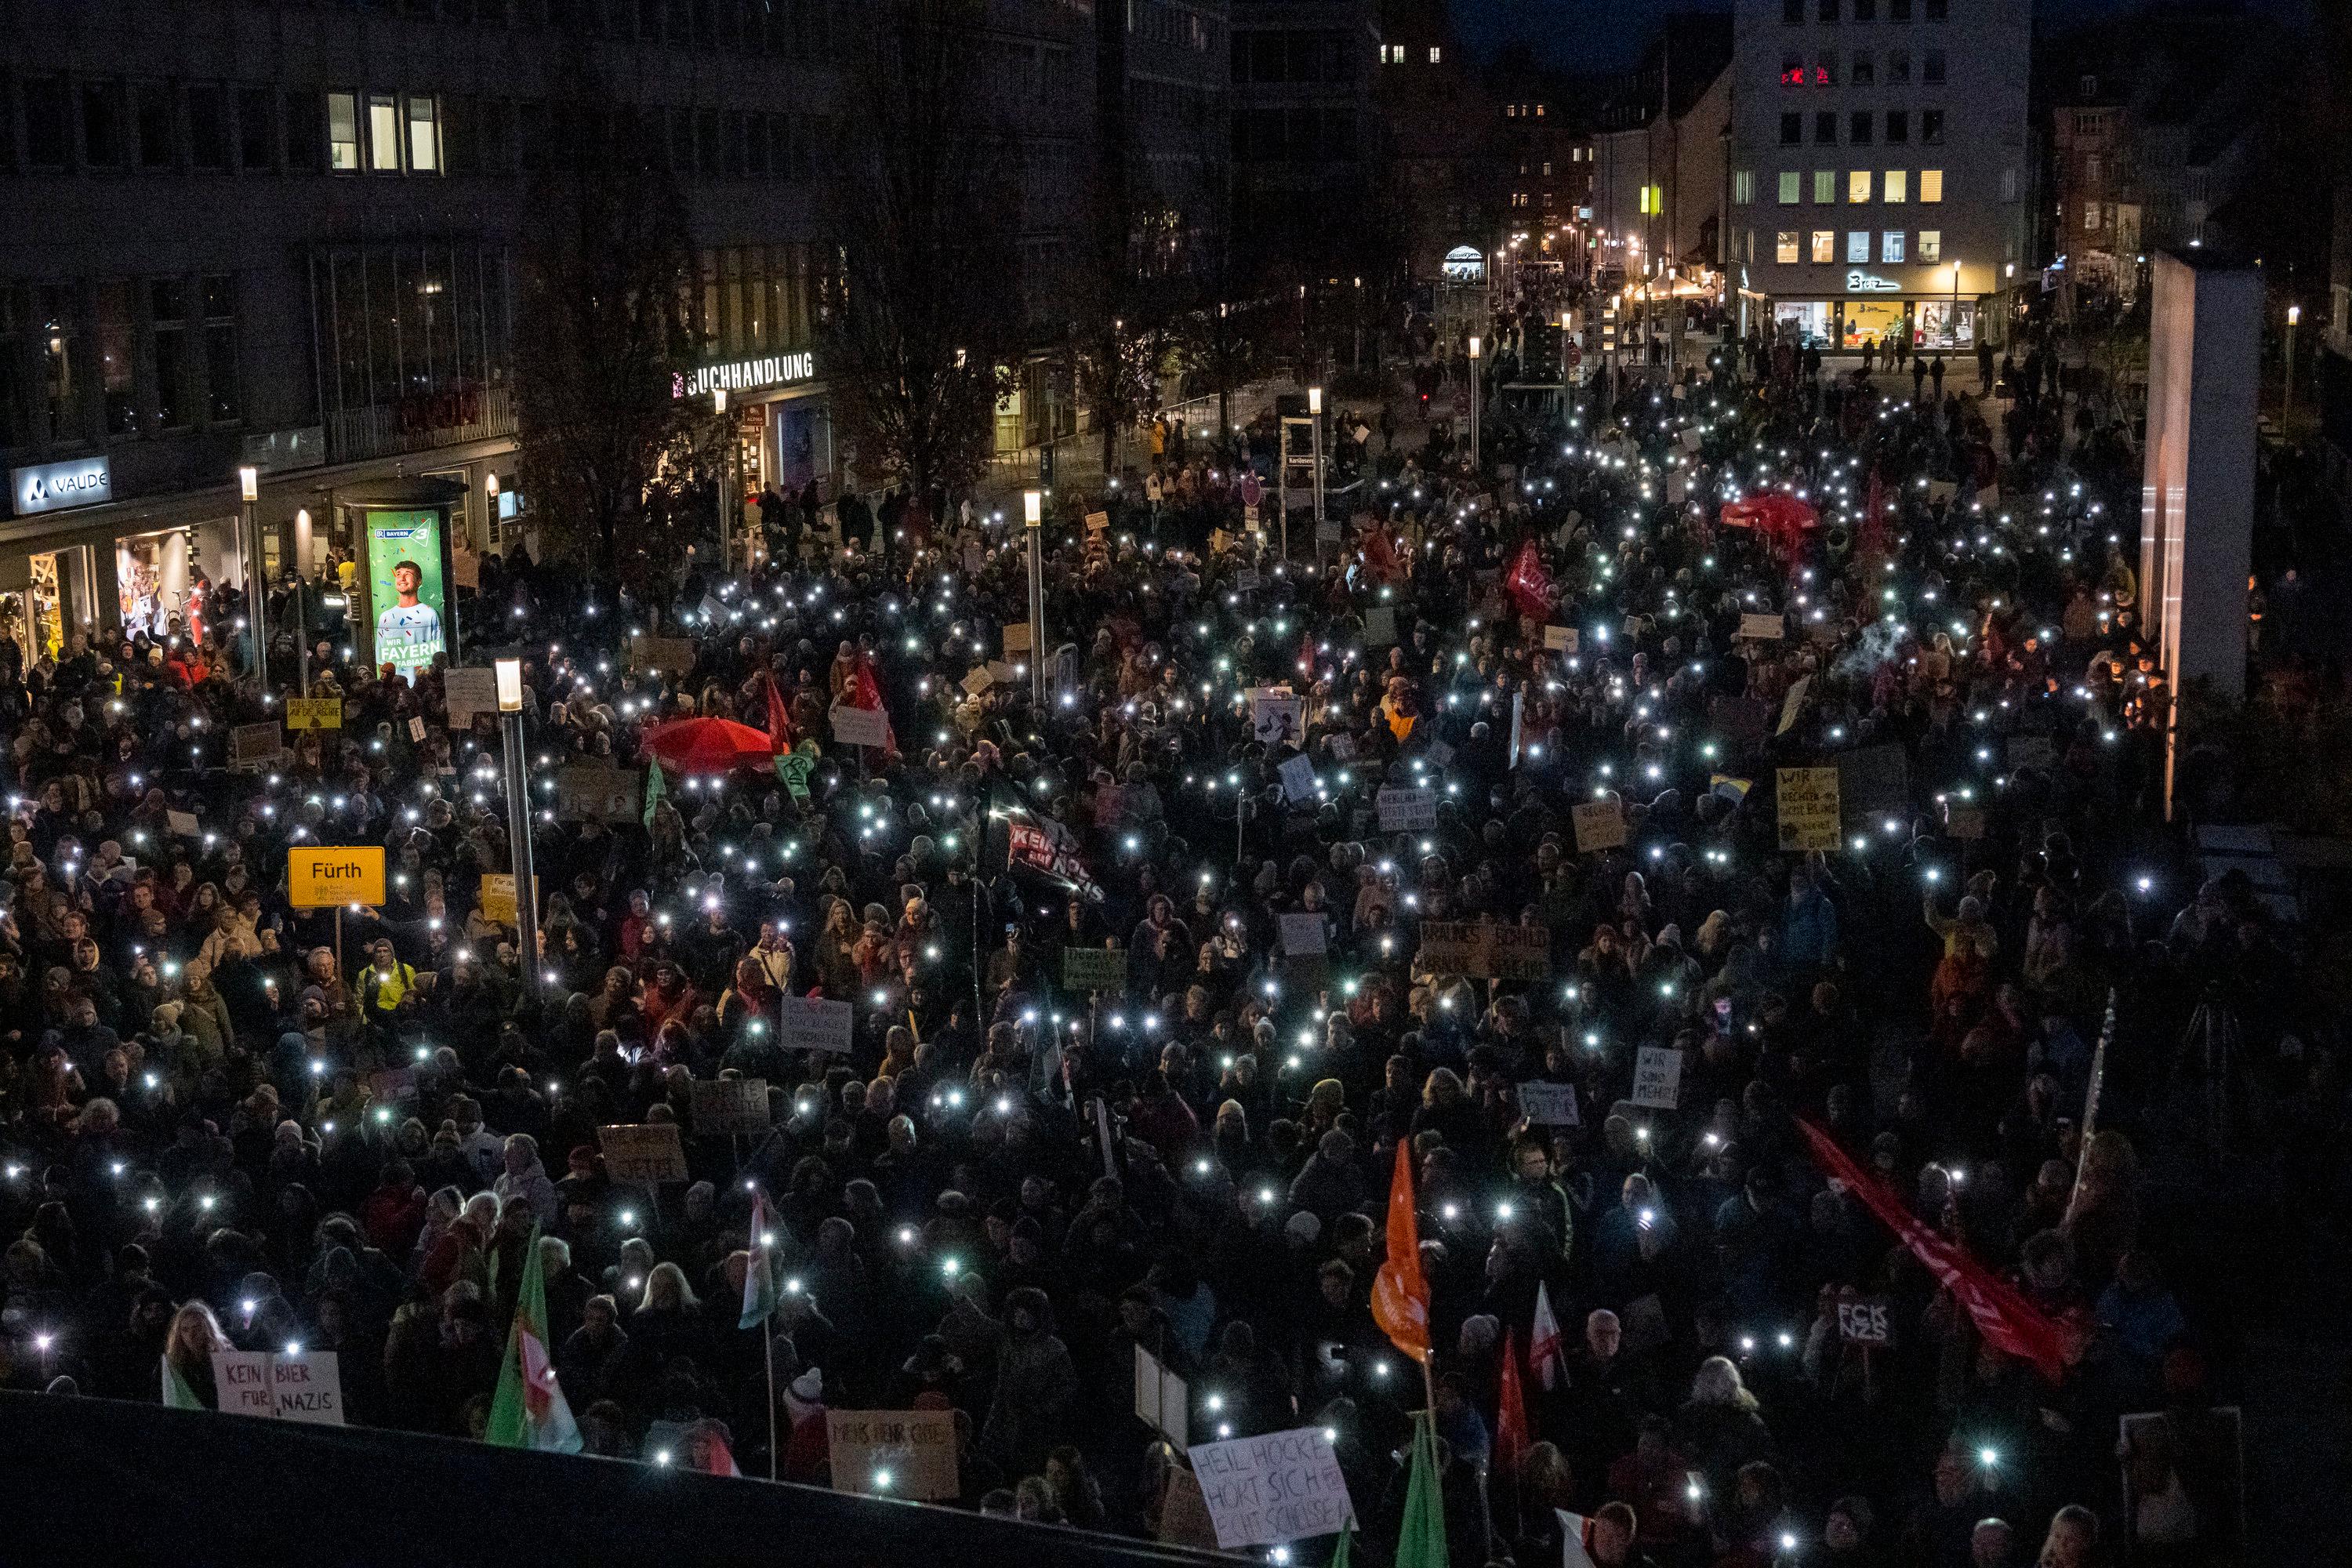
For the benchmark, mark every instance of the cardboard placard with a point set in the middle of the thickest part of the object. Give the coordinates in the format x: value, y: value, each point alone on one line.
x: 2037, y: 753
x: 1303, y: 934
x: 1863, y: 1321
x: 1000, y: 670
x: 1690, y: 438
x: 977, y: 681
x: 593, y: 792
x: 1298, y: 778
x: 1677, y: 482
x: 727, y: 1106
x: 1989, y: 497
x: 499, y: 898
x: 643, y: 1152
x: 181, y: 824
x: 314, y: 712
x: 1097, y: 521
x: 1657, y: 1077
x: 1247, y: 581
x: 298, y: 1385
x: 1185, y: 1514
x: 322, y: 877
x: 655, y: 656
x: 1761, y: 627
x: 1808, y: 800
x: 1282, y: 1486
x: 894, y: 1453
x: 1964, y: 821
x: 1380, y: 626
x: 241, y: 1384
x: 1094, y: 968
x: 815, y: 1024
x: 859, y: 726
x: 975, y: 559
x: 471, y: 691
x: 1484, y: 950
x: 1017, y: 638
x: 1277, y: 716
x: 1562, y: 639
x: 1548, y: 1104
x: 1599, y: 825
x: 1942, y: 490
x: 1407, y: 810
x: 417, y: 726
x: 253, y: 748
x: 1163, y: 1402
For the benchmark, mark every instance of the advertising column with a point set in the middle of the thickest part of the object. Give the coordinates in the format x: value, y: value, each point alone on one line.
x: 407, y: 593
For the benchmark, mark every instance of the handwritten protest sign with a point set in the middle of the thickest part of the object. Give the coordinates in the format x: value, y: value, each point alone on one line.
x: 1484, y: 950
x: 1809, y: 808
x: 1284, y: 1486
x: 1560, y: 639
x: 727, y: 1106
x: 1163, y: 1402
x: 470, y: 691
x: 308, y: 1386
x: 1017, y: 638
x: 894, y: 1453
x: 1863, y: 1321
x: 254, y: 747
x: 499, y: 898
x: 854, y: 726
x: 643, y: 1152
x: 1298, y: 778
x: 661, y: 656
x: 1380, y: 626
x: 1094, y: 968
x: 1302, y: 934
x: 815, y: 1024
x: 1760, y: 629
x: 1407, y: 810
x: 585, y: 790
x: 1657, y: 1078
x: 1599, y: 825
x: 241, y: 1384
x: 314, y: 712
x: 1548, y: 1104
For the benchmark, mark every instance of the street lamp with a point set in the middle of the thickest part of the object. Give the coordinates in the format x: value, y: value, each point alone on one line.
x: 249, y: 491
x: 1315, y: 409
x: 302, y: 600
x: 1033, y: 514
x: 1474, y: 401
x: 526, y: 879
x: 2287, y: 412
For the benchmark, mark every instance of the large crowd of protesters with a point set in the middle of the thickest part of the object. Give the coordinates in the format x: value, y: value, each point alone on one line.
x: 219, y: 1133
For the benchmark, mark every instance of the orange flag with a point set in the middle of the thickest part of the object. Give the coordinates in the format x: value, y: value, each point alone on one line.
x: 1400, y: 1294
x: 1511, y: 1410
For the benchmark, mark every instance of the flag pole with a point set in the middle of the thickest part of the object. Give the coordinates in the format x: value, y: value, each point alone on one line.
x: 768, y: 1344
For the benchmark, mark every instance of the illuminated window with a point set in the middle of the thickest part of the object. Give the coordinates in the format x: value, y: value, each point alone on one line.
x: 1890, y: 246
x: 424, y: 133
x: 1435, y: 54
x: 384, y: 133
x: 1857, y: 186
x: 1825, y: 187
x: 1788, y: 178
x: 1931, y: 245
x: 1743, y: 187
x: 343, y: 132
x: 1931, y: 186
x: 1784, y: 247
x: 1824, y: 247
x: 1898, y: 185
x: 1858, y: 245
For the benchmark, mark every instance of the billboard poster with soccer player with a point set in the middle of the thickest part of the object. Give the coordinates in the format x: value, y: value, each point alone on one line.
x: 405, y: 593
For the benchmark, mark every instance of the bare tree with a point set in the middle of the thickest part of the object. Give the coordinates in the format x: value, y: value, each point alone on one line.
x: 608, y: 446
x: 923, y: 318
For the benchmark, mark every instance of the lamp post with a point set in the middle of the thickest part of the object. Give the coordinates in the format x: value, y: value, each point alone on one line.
x: 1473, y: 402
x: 1033, y: 514
x: 1315, y: 414
x: 2286, y: 411
x: 248, y: 492
x: 526, y: 877
x: 727, y: 482
x: 302, y: 603
x: 1952, y: 326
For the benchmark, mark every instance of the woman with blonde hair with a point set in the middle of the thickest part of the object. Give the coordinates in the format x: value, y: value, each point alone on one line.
x: 187, y: 1368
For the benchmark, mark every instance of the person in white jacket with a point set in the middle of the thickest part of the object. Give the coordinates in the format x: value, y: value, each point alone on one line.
x: 524, y: 1180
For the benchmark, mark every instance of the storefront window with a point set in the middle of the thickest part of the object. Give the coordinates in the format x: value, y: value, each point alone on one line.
x: 1872, y: 322
x: 1803, y: 322
x: 1945, y: 324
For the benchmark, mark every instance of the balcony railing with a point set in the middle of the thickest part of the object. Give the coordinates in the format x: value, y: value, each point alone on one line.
x: 421, y: 424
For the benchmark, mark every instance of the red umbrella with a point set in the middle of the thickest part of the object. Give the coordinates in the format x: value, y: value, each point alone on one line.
x: 708, y: 746
x: 1779, y: 516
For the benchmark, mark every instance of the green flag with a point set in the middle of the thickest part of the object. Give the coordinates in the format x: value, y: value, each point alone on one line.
x: 1421, y: 1540
x: 177, y: 1395
x: 653, y: 790
x: 1341, y: 1557
x: 528, y: 1410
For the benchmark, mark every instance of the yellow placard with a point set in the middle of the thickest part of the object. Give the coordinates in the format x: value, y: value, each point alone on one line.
x: 499, y: 898
x: 321, y: 879
x: 314, y: 712
x: 1809, y: 808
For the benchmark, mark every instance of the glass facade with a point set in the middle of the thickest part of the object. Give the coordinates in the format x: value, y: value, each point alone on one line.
x: 416, y: 344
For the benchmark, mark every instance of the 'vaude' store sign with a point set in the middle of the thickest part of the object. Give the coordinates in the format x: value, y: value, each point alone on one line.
x: 746, y: 375
x: 55, y: 487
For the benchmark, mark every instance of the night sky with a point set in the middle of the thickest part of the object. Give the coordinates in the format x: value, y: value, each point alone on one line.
x: 1608, y: 34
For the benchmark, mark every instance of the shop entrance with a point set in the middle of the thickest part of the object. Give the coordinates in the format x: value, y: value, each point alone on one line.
x: 163, y: 580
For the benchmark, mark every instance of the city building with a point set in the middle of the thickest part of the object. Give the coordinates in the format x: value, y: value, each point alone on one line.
x: 2334, y: 357
x: 2157, y: 122
x: 1657, y: 157
x: 284, y: 235
x: 1880, y: 176
x: 1304, y: 137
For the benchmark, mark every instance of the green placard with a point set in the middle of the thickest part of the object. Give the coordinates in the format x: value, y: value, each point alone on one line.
x: 1094, y: 968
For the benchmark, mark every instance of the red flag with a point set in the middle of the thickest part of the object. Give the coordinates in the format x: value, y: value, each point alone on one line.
x: 1543, y: 1340
x: 1400, y: 1294
x: 2007, y: 1320
x: 1511, y: 1409
x: 1380, y: 553
x: 780, y: 719
x: 866, y: 692
x: 1528, y: 584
